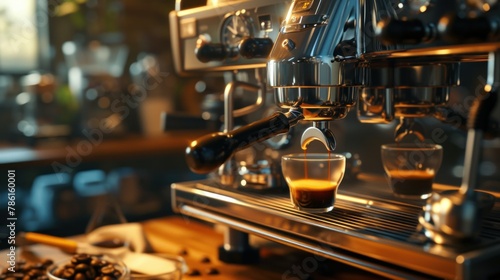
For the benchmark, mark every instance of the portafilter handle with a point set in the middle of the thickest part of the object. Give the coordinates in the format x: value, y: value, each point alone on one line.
x: 207, y: 153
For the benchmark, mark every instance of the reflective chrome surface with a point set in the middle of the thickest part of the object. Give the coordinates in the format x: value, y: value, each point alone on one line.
x: 310, y: 49
x: 392, y: 61
x: 368, y: 228
x: 318, y: 103
x: 449, y: 218
x: 408, y: 126
x: 260, y: 176
x: 320, y: 132
x: 312, y: 64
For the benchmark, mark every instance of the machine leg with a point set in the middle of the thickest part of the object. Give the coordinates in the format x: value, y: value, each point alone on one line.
x: 237, y: 249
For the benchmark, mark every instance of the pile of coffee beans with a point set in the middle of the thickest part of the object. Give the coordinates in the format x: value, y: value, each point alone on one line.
x: 88, y: 267
x: 27, y: 271
x: 79, y: 267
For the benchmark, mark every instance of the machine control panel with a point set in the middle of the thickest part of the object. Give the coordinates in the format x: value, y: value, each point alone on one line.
x: 208, y: 38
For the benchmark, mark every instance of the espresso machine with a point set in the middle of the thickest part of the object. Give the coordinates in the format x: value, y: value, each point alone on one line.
x: 388, y: 61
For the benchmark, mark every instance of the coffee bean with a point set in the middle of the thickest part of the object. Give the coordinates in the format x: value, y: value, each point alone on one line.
x: 69, y: 265
x: 90, y: 273
x: 47, y: 262
x: 212, y: 271
x: 97, y: 263
x: 81, y: 258
x: 80, y: 276
x: 21, y: 267
x: 108, y: 269
x: 58, y: 272
x: 36, y: 272
x: 18, y: 274
x: 36, y: 266
x: 193, y: 272
x: 68, y: 273
x: 82, y: 267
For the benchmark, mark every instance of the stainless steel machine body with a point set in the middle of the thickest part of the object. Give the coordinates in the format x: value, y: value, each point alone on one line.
x: 368, y: 229
x: 389, y: 60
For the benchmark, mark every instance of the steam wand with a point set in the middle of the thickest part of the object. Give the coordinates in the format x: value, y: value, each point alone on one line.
x: 227, y: 170
x: 456, y: 215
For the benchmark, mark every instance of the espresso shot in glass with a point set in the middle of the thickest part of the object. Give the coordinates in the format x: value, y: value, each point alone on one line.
x: 411, y: 167
x: 313, y: 180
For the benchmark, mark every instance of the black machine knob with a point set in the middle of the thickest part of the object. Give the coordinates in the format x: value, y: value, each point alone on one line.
x: 394, y: 31
x: 459, y: 29
x: 211, y: 151
x: 255, y: 47
x: 206, y: 52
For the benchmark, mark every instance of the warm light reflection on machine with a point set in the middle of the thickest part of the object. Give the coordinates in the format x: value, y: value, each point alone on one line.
x: 217, y: 196
x: 358, y: 200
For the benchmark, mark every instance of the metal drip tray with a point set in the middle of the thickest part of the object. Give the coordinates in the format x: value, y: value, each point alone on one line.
x: 368, y: 228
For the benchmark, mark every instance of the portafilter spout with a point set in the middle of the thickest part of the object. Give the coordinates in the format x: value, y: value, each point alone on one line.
x: 455, y: 216
x: 408, y: 126
x: 320, y: 132
x: 207, y: 153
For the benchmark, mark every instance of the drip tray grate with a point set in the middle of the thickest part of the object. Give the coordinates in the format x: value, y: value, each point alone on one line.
x: 366, y: 223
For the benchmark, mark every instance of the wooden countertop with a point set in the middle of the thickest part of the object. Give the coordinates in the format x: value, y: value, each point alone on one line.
x: 200, y: 241
x: 198, y: 244
x: 93, y: 150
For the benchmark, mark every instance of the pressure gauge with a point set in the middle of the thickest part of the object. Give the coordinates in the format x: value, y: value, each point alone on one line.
x: 234, y: 28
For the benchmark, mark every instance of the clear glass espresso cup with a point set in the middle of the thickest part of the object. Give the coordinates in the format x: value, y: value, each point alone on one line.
x: 313, y: 179
x: 411, y: 168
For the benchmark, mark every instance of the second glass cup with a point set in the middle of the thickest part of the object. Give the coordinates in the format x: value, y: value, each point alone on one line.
x: 411, y: 168
x: 313, y: 179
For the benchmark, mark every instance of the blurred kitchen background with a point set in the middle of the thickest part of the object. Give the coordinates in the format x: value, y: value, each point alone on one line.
x: 84, y: 89
x: 83, y: 85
